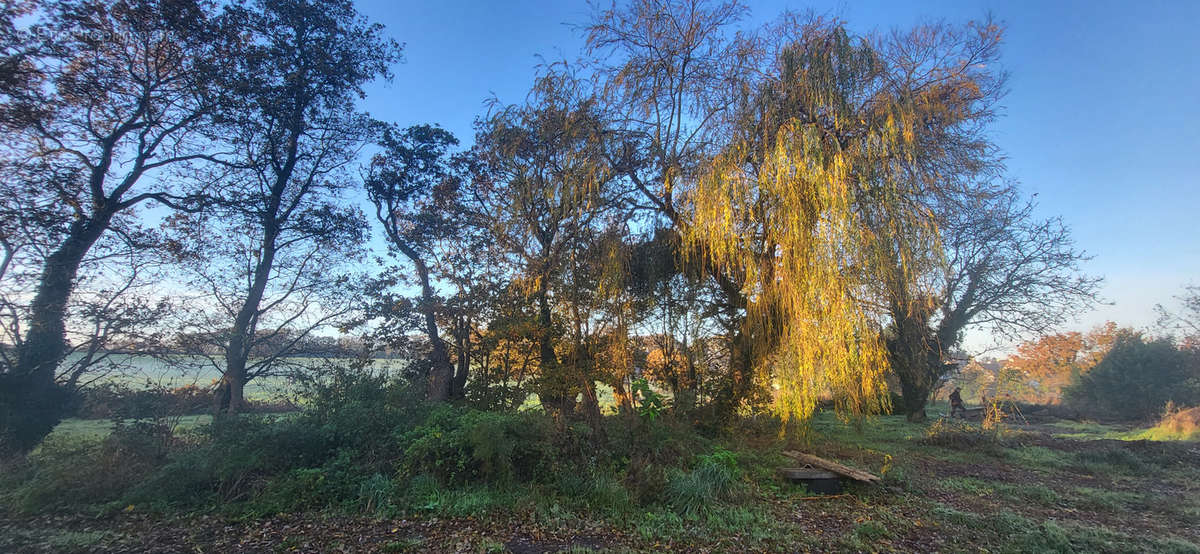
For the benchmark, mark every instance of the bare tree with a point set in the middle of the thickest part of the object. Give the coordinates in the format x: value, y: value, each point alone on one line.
x: 672, y: 75
x: 21, y: 50
x: 112, y: 313
x: 313, y: 287
x: 1185, y: 322
x: 1006, y: 272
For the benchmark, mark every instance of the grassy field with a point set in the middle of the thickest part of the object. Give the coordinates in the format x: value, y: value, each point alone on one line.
x: 71, y: 429
x: 141, y: 371
x: 947, y: 486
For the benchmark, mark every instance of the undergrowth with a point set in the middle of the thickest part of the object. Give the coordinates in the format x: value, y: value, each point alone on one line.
x: 364, y: 446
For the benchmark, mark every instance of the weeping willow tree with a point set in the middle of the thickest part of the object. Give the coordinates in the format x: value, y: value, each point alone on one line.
x: 543, y: 186
x: 804, y: 186
x: 805, y: 211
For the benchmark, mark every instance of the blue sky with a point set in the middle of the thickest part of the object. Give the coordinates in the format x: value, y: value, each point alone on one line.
x: 1102, y: 121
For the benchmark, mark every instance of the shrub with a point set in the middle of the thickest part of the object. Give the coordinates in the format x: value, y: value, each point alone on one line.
x: 1176, y: 425
x: 72, y: 472
x: 1136, y: 379
x: 119, y: 401
x: 361, y: 409
x: 358, y: 428
x: 650, y: 404
x: 458, y: 446
x: 339, y: 483
x: 234, y: 457
x: 960, y: 435
x: 714, y: 479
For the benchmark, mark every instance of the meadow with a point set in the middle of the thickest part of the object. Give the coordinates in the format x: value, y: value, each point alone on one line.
x: 1044, y: 486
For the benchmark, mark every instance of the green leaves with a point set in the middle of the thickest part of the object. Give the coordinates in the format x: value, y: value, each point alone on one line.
x: 650, y: 403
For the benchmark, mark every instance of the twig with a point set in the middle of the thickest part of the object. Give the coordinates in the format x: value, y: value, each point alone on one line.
x: 828, y: 497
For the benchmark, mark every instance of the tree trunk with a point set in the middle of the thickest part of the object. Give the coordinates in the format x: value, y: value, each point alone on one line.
x: 231, y: 391
x: 624, y: 397
x: 741, y: 349
x: 591, y: 405
x: 462, y: 342
x: 441, y: 374
x: 914, y: 398
x: 686, y: 401
x: 553, y: 390
x: 32, y: 403
x: 915, y: 359
x: 738, y: 387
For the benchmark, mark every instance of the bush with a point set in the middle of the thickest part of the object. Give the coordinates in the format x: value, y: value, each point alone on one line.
x: 340, y: 482
x: 360, y: 409
x: 118, y: 401
x: 1176, y: 425
x: 714, y: 479
x: 367, y: 444
x: 232, y: 459
x: 458, y: 446
x: 73, y: 472
x: 1136, y: 379
x: 358, y: 428
x: 960, y: 435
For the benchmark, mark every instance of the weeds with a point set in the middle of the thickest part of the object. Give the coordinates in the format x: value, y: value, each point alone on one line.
x: 453, y: 463
x: 959, y: 435
x: 1111, y: 460
x: 714, y: 479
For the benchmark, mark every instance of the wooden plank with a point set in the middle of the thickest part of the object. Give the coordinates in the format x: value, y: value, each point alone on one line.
x: 845, y: 471
x: 801, y: 473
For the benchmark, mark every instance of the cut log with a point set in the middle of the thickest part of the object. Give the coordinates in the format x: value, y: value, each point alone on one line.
x: 822, y: 463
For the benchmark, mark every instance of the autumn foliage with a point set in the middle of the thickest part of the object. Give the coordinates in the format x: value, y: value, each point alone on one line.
x: 1051, y: 362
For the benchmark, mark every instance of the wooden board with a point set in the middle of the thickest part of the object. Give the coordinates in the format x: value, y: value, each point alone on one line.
x: 822, y: 463
x: 803, y: 473
x: 817, y: 481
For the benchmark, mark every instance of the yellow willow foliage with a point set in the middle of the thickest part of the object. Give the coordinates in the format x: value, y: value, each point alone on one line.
x: 795, y: 232
x: 614, y: 290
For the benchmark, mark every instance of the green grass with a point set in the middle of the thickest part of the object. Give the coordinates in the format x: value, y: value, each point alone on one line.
x: 1163, y: 434
x: 73, y: 428
x: 1093, y: 431
x: 1038, y: 457
x: 969, y: 490
x: 1106, y: 500
x: 605, y: 398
